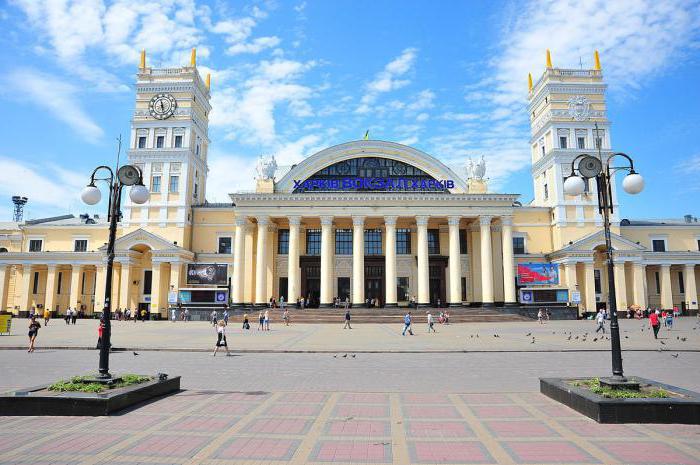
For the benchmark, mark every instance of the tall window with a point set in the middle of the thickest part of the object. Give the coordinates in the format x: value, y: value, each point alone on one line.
x: 35, y: 288
x: 343, y: 241
x: 80, y: 245
x: 546, y: 191
x: 403, y: 241
x: 562, y: 142
x: 147, y: 282
x: 373, y: 242
x: 174, y: 186
x: 581, y: 142
x: 464, y: 289
x: 463, y: 249
x: 142, y: 142
x: 596, y: 282
x: 434, y: 241
x: 160, y: 142
x: 658, y: 245
x: 155, y: 184
x: 681, y: 284
x: 60, y: 282
x: 402, y: 289
x: 284, y: 289
x: 35, y: 245
x: 283, y: 242
x: 313, y: 242
x: 225, y: 245
x: 178, y: 141
x: 519, y: 245
x: 658, y: 282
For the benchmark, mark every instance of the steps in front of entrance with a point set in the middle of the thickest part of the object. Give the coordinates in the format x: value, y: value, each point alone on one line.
x: 389, y: 315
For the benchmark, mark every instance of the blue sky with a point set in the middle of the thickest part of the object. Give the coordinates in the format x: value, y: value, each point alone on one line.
x: 293, y: 77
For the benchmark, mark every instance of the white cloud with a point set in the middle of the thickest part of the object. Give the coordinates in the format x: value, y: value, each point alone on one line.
x: 237, y: 34
x: 57, y: 97
x: 389, y: 79
x: 254, y: 46
x: 422, y: 101
x: 689, y: 166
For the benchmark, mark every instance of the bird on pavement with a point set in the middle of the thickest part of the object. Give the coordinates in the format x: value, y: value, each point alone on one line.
x: 568, y: 338
x: 353, y: 355
x: 576, y: 337
x: 662, y: 343
x: 683, y: 339
x: 595, y: 339
x: 135, y: 353
x: 345, y: 356
x: 335, y: 356
x: 674, y: 355
x: 528, y: 334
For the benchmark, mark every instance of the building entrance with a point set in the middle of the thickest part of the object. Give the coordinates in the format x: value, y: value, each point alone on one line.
x: 310, y: 280
x: 436, y: 276
x: 374, y: 279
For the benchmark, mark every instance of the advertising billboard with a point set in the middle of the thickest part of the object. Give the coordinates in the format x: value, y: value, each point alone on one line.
x: 211, y: 274
x: 538, y: 273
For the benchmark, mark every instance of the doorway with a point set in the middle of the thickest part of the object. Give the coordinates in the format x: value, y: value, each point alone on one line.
x: 311, y: 280
x: 374, y: 279
x: 436, y: 280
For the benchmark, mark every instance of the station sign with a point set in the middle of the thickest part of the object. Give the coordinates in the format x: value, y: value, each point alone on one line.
x: 373, y: 184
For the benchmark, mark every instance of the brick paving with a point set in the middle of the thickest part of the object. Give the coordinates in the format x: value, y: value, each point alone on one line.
x: 198, y: 427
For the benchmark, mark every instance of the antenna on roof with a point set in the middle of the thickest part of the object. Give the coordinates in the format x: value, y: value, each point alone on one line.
x: 19, y: 202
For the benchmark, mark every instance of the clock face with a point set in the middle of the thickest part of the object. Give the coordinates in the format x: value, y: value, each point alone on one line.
x: 162, y: 106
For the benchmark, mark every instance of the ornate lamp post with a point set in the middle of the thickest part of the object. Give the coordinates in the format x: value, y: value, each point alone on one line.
x: 591, y: 167
x: 127, y: 175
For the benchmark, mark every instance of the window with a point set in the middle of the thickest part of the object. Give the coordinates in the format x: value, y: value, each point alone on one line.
x: 562, y: 142
x: 402, y: 289
x: 343, y: 241
x: 142, y: 142
x: 681, y: 284
x: 658, y: 245
x: 546, y: 191
x: 373, y: 242
x: 82, y: 284
x: 596, y: 281
x: 599, y: 136
x: 581, y: 142
x: 35, y: 245
x: 284, y: 289
x: 160, y: 141
x: 698, y: 244
x: 35, y: 286
x: 343, y: 288
x: 519, y: 246
x: 463, y: 249
x: 155, y: 184
x: 174, y: 186
x: 80, y: 245
x: 313, y: 242
x: 178, y: 141
x: 147, y: 281
x: 433, y: 241
x: 464, y: 289
x: 658, y: 282
x: 197, y: 150
x: 225, y: 245
x: 283, y: 241
x: 60, y: 281
x: 403, y: 241
x: 542, y: 147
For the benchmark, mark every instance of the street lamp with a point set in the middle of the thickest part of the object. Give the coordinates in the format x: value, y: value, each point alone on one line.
x: 127, y: 175
x: 590, y: 167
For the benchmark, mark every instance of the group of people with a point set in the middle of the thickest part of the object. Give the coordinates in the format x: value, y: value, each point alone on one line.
x: 634, y: 311
x: 127, y: 314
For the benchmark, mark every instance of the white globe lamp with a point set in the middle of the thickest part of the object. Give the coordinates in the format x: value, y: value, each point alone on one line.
x: 633, y: 183
x: 574, y: 185
x: 91, y: 195
x: 139, y: 194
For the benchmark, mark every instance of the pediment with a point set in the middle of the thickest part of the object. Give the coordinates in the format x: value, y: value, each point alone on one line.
x: 596, y: 239
x: 141, y: 237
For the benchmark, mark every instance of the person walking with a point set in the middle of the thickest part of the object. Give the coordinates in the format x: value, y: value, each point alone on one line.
x: 226, y: 317
x: 173, y: 315
x: 347, y: 317
x: 246, y: 324
x: 213, y: 317
x: 600, y: 318
x: 267, y: 320
x: 261, y: 321
x: 33, y: 332
x: 143, y: 315
x: 73, y: 315
x: 285, y: 317
x: 407, y: 324
x: 283, y: 304
x: 654, y: 323
x: 540, y: 316
x: 431, y: 322
x: 221, y: 337
x: 47, y: 316
x: 347, y: 302
x: 67, y: 318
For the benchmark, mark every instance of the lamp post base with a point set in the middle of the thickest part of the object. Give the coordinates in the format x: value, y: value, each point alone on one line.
x: 620, y: 382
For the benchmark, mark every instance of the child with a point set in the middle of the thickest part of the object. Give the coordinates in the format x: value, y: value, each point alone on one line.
x: 33, y: 332
x: 246, y: 324
x: 221, y: 337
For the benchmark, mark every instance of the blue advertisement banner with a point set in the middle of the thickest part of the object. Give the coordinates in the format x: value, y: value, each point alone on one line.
x: 538, y: 273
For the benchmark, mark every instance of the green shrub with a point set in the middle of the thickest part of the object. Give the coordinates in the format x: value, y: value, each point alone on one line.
x: 81, y: 384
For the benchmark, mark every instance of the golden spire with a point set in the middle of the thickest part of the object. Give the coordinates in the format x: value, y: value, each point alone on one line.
x: 208, y: 81
x: 193, y: 58
x: 549, y: 60
x: 596, y: 58
x: 529, y: 82
x: 142, y: 64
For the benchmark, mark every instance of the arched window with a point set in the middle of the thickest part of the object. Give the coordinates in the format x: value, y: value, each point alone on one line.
x: 3, y: 250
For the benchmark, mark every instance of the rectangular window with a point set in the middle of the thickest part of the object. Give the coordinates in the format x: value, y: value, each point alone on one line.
x: 463, y: 249
x: 434, y: 241
x: 82, y: 284
x: 402, y: 289
x: 464, y: 289
x: 197, y: 150
x: 343, y: 241
x: 562, y: 142
x: 519, y: 246
x: 283, y: 241
x: 174, y: 186
x: 373, y: 241
x: 658, y: 282
x: 681, y: 284
x: 80, y: 245
x: 546, y: 191
x: 35, y: 288
x: 658, y: 245
x: 343, y: 288
x: 60, y: 281
x: 178, y: 141
x: 142, y: 142
x: 403, y: 241
x: 225, y: 245
x: 596, y: 281
x: 581, y: 142
x: 147, y: 282
x: 313, y: 242
x: 160, y: 142
x: 155, y: 184
x: 284, y: 289
x: 35, y: 245
x: 698, y: 244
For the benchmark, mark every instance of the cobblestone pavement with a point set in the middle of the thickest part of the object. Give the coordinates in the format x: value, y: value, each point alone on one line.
x: 512, y: 336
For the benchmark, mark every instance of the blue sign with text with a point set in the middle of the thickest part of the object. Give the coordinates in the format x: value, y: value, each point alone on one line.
x: 376, y: 184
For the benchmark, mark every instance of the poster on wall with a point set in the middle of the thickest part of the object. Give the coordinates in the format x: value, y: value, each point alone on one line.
x: 538, y: 273
x: 212, y: 274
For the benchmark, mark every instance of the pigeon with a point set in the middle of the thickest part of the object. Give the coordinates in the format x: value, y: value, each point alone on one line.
x: 568, y: 338
x: 627, y: 337
x: 335, y: 356
x: 353, y: 355
x: 683, y: 339
x: 477, y: 336
x: 345, y: 356
x: 674, y: 355
x: 528, y: 334
x: 595, y: 339
x: 662, y: 343
x: 532, y: 342
x: 678, y: 338
x: 576, y: 337
x: 554, y: 332
x: 496, y: 335
x: 135, y: 353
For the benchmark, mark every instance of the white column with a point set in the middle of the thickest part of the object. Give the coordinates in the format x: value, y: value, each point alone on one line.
x: 620, y: 286
x: 158, y: 300
x: 50, y: 300
x: 261, y: 296
x: 455, y: 296
x: 508, y: 261
x: 26, y: 299
x: 640, y: 275
x: 4, y: 285
x: 486, y: 262
x: 239, y: 261
x: 358, y: 260
x: 327, y: 256
x: 390, y: 257
x: 589, y: 301
x: 125, y: 285
x: 691, y: 290
x: 293, y: 275
x: 100, y: 287
x: 423, y: 261
x: 76, y: 274
x: 666, y: 293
